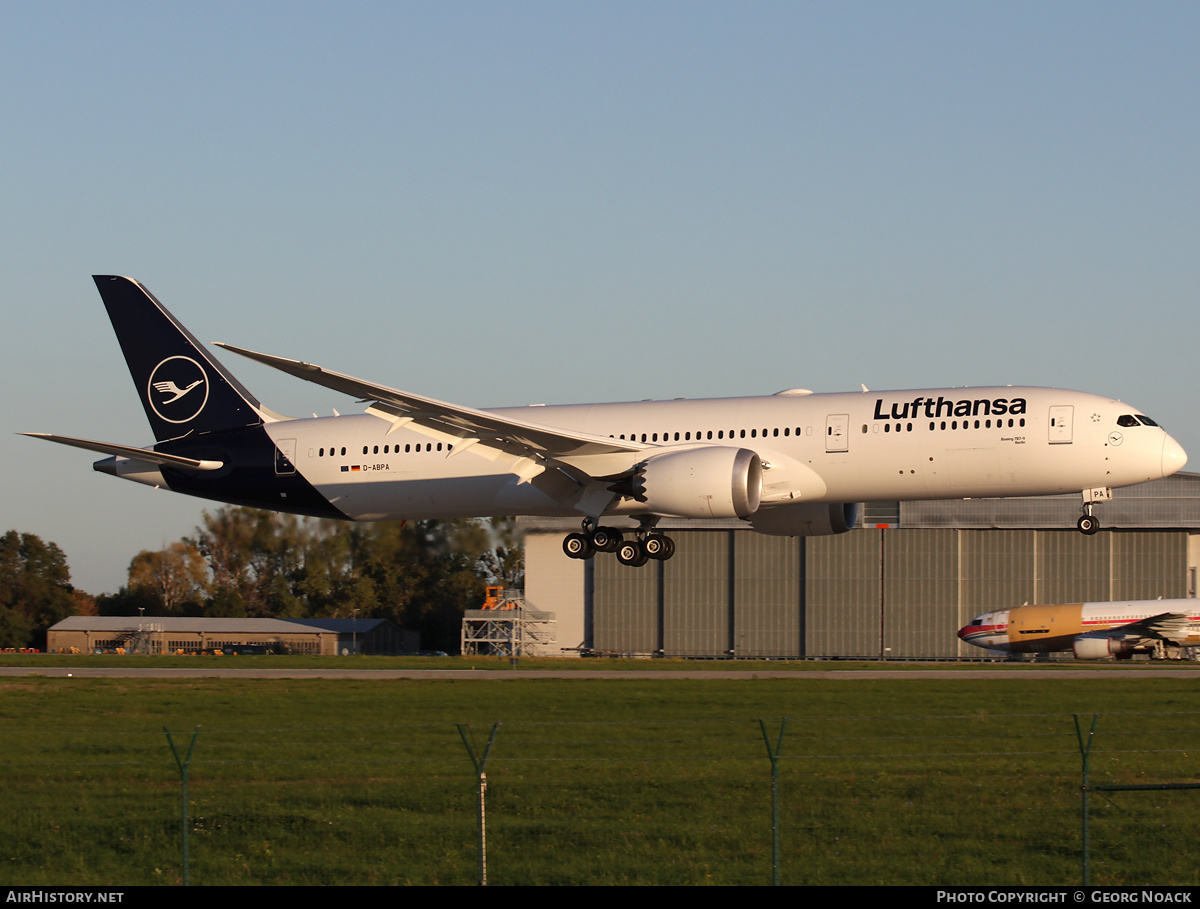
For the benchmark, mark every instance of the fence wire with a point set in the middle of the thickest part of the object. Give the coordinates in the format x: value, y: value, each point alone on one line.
x: 929, y: 800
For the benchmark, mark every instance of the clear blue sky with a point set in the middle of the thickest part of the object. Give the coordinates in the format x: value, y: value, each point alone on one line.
x: 505, y: 203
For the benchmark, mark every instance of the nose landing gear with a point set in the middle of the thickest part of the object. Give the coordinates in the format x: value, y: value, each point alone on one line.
x: 1088, y: 523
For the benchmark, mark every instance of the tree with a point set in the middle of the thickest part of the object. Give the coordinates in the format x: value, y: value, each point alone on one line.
x: 130, y: 601
x: 35, y: 589
x: 175, y: 576
x: 504, y: 556
x: 246, y: 549
x: 425, y: 574
x: 418, y: 574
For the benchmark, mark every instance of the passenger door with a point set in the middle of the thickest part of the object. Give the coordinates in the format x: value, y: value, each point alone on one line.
x: 1061, y: 416
x: 837, y: 432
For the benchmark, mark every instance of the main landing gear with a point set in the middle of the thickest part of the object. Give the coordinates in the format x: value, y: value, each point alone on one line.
x: 647, y: 543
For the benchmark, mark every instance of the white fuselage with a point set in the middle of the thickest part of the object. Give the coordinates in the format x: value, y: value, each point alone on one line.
x: 903, y: 445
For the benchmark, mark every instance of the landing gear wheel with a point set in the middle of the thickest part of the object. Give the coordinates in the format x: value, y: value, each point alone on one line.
x: 1089, y: 524
x: 606, y: 539
x: 669, y: 549
x: 632, y: 553
x: 577, y: 546
x: 658, y: 546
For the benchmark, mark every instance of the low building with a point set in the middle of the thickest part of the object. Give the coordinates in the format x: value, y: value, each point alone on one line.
x: 325, y: 637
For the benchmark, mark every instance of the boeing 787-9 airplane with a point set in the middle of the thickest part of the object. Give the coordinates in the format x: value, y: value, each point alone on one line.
x: 792, y: 463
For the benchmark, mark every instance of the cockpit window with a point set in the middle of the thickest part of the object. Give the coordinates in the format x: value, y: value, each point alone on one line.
x: 1146, y: 420
x: 1127, y: 419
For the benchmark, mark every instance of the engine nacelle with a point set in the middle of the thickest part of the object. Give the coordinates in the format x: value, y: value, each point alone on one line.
x: 1100, y: 648
x: 711, y: 482
x: 806, y: 519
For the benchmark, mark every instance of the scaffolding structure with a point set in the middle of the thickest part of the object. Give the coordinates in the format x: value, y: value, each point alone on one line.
x: 145, y: 639
x: 505, y: 626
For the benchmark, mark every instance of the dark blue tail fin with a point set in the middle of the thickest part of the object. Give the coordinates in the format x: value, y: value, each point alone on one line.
x: 182, y: 388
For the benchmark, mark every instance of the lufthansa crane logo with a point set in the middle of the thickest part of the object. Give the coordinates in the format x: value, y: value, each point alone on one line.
x: 178, y: 389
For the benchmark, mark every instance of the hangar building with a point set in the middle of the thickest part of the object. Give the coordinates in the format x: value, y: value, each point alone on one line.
x: 899, y: 585
x: 175, y: 633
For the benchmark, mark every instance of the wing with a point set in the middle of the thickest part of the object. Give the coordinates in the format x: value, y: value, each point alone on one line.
x: 1171, y: 626
x: 464, y: 427
x: 125, y: 451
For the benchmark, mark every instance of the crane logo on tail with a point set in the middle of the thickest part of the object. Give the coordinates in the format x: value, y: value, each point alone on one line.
x: 178, y: 389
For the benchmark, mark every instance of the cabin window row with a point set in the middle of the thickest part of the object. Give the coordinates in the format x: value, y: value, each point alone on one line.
x: 709, y: 435
x: 951, y: 424
x: 787, y: 431
x: 701, y: 435
x: 978, y: 424
x: 387, y: 449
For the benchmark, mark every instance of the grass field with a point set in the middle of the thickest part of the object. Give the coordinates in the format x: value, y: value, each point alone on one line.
x: 564, y: 664
x: 656, y: 781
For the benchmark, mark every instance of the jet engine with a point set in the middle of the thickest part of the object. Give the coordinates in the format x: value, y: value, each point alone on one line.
x: 805, y: 519
x: 711, y: 482
x: 1101, y: 648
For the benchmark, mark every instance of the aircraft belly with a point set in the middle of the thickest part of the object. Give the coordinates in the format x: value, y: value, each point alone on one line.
x: 914, y: 472
x: 1007, y: 470
x: 910, y: 471
x: 868, y: 476
x: 1043, y: 644
x: 447, y: 497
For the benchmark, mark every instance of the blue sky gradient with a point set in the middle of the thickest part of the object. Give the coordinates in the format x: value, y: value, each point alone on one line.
x: 555, y: 202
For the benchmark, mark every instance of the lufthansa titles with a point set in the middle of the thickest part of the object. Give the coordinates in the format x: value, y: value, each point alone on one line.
x: 943, y: 407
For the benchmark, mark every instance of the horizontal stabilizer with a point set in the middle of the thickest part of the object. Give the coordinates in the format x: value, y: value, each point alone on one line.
x: 126, y: 451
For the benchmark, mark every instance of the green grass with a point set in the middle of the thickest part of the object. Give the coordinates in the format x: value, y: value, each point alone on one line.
x: 593, y: 781
x: 531, y: 664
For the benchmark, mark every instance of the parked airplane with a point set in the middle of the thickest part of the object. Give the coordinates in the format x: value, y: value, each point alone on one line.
x: 793, y: 463
x: 1092, y: 631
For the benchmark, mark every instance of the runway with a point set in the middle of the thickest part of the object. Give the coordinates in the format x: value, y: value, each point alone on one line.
x: 1189, y: 672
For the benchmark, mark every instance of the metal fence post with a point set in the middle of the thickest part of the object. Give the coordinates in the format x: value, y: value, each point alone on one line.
x: 1085, y: 751
x: 183, y: 765
x: 773, y: 757
x: 481, y: 777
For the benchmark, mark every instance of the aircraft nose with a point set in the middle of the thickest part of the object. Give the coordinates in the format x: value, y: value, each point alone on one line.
x: 1173, y: 457
x: 970, y: 634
